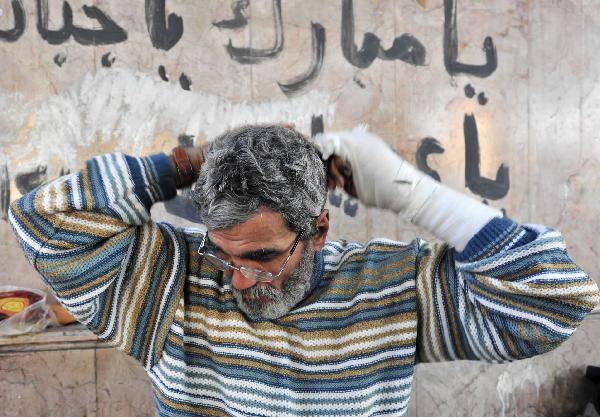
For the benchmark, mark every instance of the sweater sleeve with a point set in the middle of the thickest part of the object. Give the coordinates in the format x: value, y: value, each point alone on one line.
x: 90, y: 236
x: 512, y: 293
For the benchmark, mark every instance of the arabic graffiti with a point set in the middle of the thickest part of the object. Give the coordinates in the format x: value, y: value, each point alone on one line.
x: 406, y: 47
x: 485, y: 187
x: 247, y: 55
x: 427, y: 147
x: 451, y: 47
x: 60, y: 58
x: 109, y: 34
x: 164, y: 35
x: 493, y: 189
x: 185, y: 82
x: 15, y: 33
x: 165, y: 31
x: 162, y: 73
x: 296, y: 84
x: 316, y: 125
x: 107, y: 60
x: 240, y: 16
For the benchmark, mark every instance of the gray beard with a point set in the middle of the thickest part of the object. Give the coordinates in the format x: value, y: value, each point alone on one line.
x: 265, y: 302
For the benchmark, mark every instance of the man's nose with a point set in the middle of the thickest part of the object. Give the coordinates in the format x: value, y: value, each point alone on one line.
x: 240, y: 282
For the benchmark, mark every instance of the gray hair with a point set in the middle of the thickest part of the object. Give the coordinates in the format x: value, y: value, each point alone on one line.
x: 254, y: 167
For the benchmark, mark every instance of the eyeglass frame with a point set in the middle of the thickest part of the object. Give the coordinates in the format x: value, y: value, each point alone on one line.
x: 225, y: 266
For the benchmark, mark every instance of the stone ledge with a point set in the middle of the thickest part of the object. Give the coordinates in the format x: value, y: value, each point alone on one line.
x: 70, y: 337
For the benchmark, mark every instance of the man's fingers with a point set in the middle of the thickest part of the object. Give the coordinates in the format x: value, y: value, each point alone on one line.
x: 334, y: 173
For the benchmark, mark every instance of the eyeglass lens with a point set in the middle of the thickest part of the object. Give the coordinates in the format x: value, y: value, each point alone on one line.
x: 250, y: 273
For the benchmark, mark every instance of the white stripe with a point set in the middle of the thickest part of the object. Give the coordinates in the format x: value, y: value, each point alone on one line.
x: 503, y: 353
x: 258, y: 344
x: 333, y: 262
x: 108, y: 187
x: 289, y: 362
x: 142, y: 169
x: 88, y: 223
x: 85, y: 297
x: 118, y: 286
x: 336, y: 305
x: 525, y: 316
x: 209, y: 283
x: 59, y: 204
x: 125, y: 304
x: 432, y: 350
x: 321, y: 402
x: 464, y: 308
x: 252, y: 390
x: 133, y: 290
x: 555, y: 290
x: 121, y: 170
x: 482, y: 338
x: 75, y: 191
x: 482, y: 348
x: 513, y: 256
x: 23, y: 233
x: 133, y: 200
x: 443, y: 318
x: 541, y: 278
x: 217, y: 323
x: 46, y: 200
x: 163, y: 300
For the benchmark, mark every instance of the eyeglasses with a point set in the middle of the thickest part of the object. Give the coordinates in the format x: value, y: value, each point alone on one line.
x: 250, y: 273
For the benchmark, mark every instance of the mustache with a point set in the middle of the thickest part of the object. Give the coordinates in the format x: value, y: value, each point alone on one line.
x: 258, y: 291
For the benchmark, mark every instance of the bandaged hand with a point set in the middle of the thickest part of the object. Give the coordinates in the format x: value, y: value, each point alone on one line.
x: 383, y: 179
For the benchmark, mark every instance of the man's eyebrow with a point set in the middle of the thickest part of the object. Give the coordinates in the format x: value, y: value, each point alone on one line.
x: 260, y: 254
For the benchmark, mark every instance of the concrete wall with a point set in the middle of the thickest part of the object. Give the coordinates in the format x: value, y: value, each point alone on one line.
x: 515, y: 80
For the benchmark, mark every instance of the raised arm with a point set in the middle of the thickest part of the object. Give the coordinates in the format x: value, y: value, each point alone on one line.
x: 90, y: 236
x: 493, y: 290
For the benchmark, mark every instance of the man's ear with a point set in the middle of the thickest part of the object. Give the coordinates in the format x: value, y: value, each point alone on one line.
x: 322, y: 223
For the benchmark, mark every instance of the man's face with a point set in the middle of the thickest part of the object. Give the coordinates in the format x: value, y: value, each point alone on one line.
x: 264, y: 242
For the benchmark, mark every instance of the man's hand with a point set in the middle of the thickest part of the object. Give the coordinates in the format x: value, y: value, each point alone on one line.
x: 384, y: 180
x: 366, y: 167
x: 186, y: 164
x: 196, y: 155
x: 339, y: 174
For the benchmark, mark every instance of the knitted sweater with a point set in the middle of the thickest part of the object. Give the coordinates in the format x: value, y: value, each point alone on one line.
x: 348, y: 349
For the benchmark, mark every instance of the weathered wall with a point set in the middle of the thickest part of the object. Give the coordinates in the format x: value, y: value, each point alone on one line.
x: 498, y: 99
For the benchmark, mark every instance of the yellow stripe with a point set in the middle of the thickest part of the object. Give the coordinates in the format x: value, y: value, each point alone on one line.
x: 291, y: 344
x: 430, y: 334
x: 187, y: 407
x: 148, y: 254
x: 297, y: 355
x: 450, y: 312
x: 40, y: 237
x: 87, y: 189
x: 303, y: 375
x: 540, y: 267
x: 290, y: 319
x: 60, y: 267
x: 293, y: 332
x: 523, y: 307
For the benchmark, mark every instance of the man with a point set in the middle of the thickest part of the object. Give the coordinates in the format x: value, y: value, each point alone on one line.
x: 262, y: 315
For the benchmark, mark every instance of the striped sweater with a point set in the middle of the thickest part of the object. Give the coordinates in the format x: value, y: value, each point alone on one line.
x: 349, y: 349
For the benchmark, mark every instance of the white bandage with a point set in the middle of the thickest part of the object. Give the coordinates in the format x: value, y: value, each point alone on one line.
x: 383, y: 179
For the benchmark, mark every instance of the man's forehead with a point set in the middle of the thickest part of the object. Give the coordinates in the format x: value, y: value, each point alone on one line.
x: 266, y: 229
